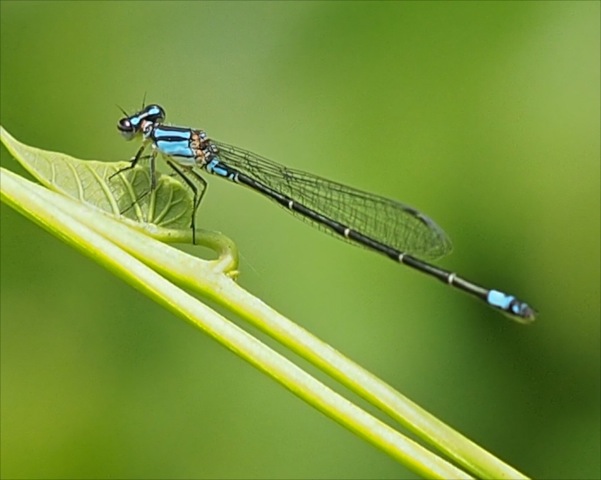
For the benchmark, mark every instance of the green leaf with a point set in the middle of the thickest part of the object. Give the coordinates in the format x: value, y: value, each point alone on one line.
x: 126, y: 195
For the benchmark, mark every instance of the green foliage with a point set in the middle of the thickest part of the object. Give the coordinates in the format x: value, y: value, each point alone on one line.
x: 126, y: 194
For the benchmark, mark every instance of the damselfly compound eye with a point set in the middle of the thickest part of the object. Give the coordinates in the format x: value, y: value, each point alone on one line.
x: 126, y: 128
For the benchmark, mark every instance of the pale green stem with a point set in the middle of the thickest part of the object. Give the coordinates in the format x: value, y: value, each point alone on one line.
x: 192, y: 273
x: 57, y: 214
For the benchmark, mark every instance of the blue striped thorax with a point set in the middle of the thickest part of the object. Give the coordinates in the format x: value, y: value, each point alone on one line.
x: 192, y: 147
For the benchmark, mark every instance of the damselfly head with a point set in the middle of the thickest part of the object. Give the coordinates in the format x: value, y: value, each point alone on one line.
x: 131, y: 125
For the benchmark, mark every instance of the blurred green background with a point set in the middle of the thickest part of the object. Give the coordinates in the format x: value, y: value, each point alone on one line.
x: 485, y: 116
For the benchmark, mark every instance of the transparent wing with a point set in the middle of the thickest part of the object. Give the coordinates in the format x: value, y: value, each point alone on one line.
x: 387, y: 221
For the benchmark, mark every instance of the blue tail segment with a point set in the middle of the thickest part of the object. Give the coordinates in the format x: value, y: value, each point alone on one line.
x: 510, y: 305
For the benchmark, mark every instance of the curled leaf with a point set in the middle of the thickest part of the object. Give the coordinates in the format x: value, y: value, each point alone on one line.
x: 127, y: 194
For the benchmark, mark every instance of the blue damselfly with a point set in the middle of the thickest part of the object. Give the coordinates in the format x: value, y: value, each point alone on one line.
x: 386, y: 226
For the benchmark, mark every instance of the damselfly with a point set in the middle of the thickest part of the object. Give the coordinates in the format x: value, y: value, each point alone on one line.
x: 377, y: 223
